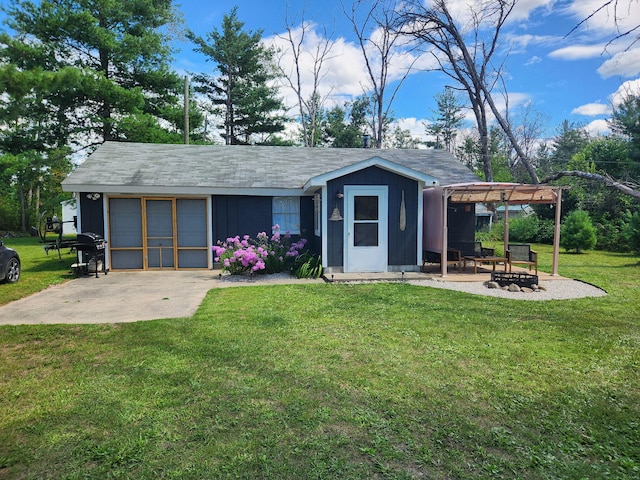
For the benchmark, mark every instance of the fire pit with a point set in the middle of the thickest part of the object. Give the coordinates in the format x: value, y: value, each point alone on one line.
x: 520, y: 279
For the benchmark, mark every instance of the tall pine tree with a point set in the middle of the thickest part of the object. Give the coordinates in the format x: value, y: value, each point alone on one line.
x: 242, y: 92
x: 102, y: 66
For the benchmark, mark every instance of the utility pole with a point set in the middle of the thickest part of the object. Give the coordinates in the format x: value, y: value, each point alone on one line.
x: 186, y: 110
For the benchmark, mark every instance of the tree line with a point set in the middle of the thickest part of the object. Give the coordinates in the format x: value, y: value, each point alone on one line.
x: 76, y: 73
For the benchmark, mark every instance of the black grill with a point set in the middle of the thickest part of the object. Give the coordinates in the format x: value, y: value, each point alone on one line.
x: 90, y: 248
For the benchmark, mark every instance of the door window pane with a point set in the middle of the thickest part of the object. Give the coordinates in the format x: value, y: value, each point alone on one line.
x: 365, y: 235
x: 365, y: 208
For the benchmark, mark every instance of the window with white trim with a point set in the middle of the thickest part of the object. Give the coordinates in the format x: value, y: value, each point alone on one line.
x: 286, y: 214
x: 317, y: 215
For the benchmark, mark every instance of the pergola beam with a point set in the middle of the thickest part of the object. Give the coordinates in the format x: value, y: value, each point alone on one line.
x: 507, y: 193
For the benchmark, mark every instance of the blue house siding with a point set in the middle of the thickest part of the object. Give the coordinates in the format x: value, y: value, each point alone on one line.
x: 402, y: 244
x: 249, y: 215
x: 92, y: 214
x: 240, y: 215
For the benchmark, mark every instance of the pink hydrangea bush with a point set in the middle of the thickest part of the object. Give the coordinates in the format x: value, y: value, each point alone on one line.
x: 264, y: 254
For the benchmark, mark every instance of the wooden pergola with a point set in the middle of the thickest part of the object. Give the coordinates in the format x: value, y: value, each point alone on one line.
x: 507, y: 194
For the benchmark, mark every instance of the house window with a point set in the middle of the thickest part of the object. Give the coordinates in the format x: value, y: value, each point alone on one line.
x: 317, y: 214
x: 286, y: 213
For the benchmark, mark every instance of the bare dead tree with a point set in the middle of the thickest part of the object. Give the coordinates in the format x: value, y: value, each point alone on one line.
x: 527, y: 126
x: 466, y: 54
x: 606, y: 180
x: 380, y: 45
x: 309, y: 107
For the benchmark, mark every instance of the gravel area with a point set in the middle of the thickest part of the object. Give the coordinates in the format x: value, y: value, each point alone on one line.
x: 555, y: 289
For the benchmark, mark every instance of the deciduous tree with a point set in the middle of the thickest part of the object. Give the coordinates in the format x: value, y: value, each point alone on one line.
x: 465, y: 52
x: 381, y: 46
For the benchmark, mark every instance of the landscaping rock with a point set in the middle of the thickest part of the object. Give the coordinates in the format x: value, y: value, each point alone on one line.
x: 514, y: 288
x: 492, y: 284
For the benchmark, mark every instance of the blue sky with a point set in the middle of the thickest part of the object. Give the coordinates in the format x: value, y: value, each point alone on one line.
x: 574, y: 77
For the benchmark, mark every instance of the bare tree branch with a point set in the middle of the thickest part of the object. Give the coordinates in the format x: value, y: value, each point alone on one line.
x: 626, y: 189
x: 621, y: 34
x: 308, y: 108
x: 469, y: 50
x: 380, y: 17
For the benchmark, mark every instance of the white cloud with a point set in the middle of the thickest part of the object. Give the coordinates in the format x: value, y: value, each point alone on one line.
x: 592, y: 109
x: 597, y: 128
x: 624, y: 64
x: 578, y: 52
x: 615, y: 17
x: 533, y: 61
x: 631, y: 87
x: 519, y: 43
x: 523, y: 8
x: 414, y: 125
x: 344, y: 74
x: 461, y: 9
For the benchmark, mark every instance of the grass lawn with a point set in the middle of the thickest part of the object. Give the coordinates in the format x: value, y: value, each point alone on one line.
x: 336, y: 381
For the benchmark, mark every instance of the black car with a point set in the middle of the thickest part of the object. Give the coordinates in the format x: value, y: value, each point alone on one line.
x: 9, y: 264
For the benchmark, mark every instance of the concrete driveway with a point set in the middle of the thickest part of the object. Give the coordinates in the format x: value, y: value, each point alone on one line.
x: 118, y: 297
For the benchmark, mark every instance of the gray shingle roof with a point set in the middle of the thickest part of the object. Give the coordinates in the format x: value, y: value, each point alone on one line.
x: 132, y: 165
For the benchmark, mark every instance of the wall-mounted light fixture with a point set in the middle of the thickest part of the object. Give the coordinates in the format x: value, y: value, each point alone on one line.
x: 93, y: 196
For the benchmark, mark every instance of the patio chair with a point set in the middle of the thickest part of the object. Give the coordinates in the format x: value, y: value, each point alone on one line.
x: 521, y: 254
x: 473, y: 249
x: 454, y: 257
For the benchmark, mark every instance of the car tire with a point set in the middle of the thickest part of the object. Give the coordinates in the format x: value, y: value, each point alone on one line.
x: 13, y: 271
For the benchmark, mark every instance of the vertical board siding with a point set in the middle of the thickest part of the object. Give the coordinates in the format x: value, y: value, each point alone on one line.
x: 240, y: 215
x: 461, y: 220
x: 246, y: 215
x: 92, y: 212
x: 403, y: 245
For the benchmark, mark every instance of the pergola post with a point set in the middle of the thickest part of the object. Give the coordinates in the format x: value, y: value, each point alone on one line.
x: 506, y: 227
x: 445, y: 233
x: 556, y: 233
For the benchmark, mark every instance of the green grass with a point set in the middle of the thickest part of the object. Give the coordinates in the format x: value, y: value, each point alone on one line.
x: 39, y: 269
x: 336, y: 381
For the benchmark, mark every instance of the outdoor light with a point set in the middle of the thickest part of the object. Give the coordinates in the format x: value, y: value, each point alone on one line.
x: 93, y: 196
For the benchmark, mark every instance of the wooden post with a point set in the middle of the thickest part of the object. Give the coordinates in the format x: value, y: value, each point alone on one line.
x: 506, y: 227
x: 445, y: 233
x: 186, y: 110
x: 556, y: 233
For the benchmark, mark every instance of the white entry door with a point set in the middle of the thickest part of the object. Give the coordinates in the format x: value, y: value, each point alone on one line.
x: 366, y: 235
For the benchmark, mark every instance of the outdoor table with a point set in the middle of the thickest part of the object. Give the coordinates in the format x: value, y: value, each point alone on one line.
x: 480, y: 260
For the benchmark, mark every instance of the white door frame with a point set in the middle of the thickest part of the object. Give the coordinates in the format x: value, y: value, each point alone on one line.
x: 366, y: 258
